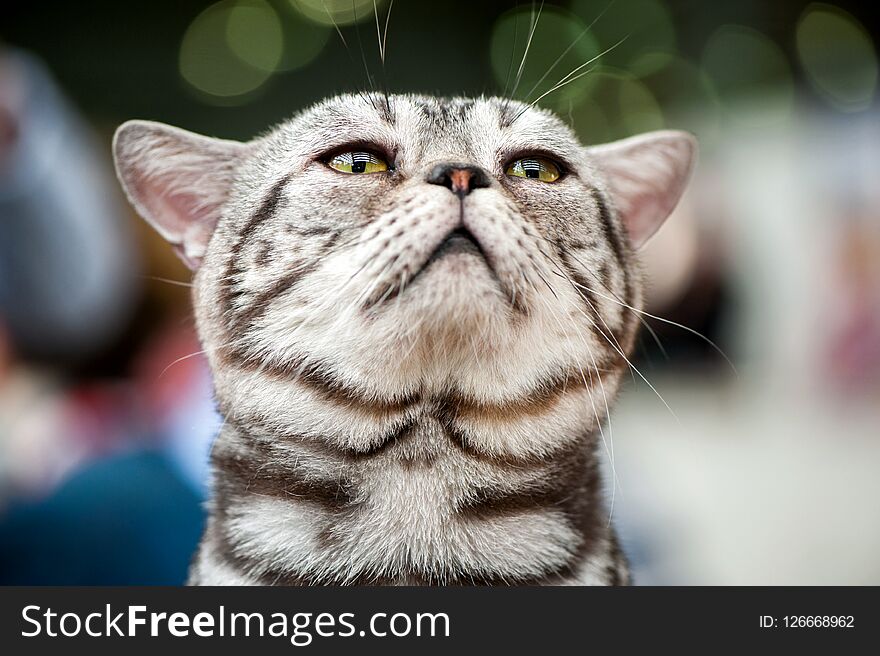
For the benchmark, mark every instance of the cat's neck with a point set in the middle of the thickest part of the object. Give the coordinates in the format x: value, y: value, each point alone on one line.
x: 423, y: 504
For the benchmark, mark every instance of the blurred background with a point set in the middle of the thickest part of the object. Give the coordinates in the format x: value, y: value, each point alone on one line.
x: 766, y: 473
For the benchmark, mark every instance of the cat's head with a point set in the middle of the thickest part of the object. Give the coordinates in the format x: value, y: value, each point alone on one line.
x: 393, y: 246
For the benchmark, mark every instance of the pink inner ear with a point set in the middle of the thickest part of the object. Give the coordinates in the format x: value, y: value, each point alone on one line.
x: 184, y: 220
x: 177, y: 180
x: 648, y: 204
x: 647, y: 176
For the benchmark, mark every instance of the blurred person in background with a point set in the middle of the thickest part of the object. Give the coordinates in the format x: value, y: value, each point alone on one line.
x: 94, y: 487
x: 765, y: 476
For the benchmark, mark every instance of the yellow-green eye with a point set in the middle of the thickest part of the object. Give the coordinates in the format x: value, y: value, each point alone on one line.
x: 536, y: 168
x: 358, y: 161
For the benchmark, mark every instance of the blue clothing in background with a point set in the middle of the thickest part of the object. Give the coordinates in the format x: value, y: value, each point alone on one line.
x: 126, y: 520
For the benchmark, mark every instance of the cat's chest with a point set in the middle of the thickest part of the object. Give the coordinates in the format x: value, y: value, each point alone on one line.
x: 419, y: 504
x: 422, y: 518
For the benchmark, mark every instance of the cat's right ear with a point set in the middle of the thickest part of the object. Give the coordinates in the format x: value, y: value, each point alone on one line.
x: 176, y: 180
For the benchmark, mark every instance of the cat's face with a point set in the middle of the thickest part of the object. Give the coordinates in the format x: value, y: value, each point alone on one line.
x: 409, y: 245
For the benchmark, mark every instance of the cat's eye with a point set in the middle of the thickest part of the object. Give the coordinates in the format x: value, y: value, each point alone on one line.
x: 536, y: 168
x: 358, y: 161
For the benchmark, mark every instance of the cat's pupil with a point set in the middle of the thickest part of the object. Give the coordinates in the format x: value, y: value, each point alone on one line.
x: 531, y: 168
x: 359, y: 162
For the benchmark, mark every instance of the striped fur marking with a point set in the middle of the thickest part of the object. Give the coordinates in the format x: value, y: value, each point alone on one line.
x: 413, y: 381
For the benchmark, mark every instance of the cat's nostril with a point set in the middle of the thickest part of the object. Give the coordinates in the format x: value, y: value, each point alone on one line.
x: 460, y: 179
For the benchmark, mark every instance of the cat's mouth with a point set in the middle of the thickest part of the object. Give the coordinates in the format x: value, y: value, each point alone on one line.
x: 457, y: 252
x: 460, y: 240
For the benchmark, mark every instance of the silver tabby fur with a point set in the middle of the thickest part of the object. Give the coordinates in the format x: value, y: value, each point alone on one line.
x: 394, y: 413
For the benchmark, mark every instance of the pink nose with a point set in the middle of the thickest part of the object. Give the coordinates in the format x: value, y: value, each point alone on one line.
x: 460, y: 179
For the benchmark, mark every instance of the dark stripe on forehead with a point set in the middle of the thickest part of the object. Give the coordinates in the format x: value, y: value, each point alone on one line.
x: 433, y: 110
x: 443, y: 110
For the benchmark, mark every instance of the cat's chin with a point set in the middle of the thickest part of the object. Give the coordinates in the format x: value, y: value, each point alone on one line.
x: 456, y: 269
x: 458, y: 242
x: 458, y: 259
x: 455, y: 298
x: 457, y: 284
x: 456, y: 281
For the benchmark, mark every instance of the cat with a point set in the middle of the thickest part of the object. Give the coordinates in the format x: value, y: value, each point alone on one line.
x: 417, y: 311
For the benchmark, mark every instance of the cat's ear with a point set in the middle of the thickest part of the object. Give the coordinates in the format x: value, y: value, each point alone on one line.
x: 646, y: 176
x: 176, y: 180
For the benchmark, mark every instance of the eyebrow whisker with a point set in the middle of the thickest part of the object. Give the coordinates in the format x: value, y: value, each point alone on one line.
x: 569, y: 78
x: 333, y: 22
x: 522, y: 63
x: 568, y: 49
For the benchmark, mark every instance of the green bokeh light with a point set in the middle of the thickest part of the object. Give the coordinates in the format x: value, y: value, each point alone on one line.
x: 558, y: 35
x: 303, y: 40
x: 682, y: 86
x: 619, y: 105
x: 340, y: 12
x: 838, y: 56
x: 751, y: 75
x: 688, y: 98
x: 231, y: 49
x: 589, y: 121
x: 645, y: 25
x: 253, y: 32
x: 639, y: 109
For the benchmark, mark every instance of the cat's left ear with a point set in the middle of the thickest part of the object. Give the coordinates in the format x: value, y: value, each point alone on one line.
x: 177, y: 180
x: 647, y: 175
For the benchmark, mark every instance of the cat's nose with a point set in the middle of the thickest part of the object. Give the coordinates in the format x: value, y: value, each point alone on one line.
x: 460, y: 179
